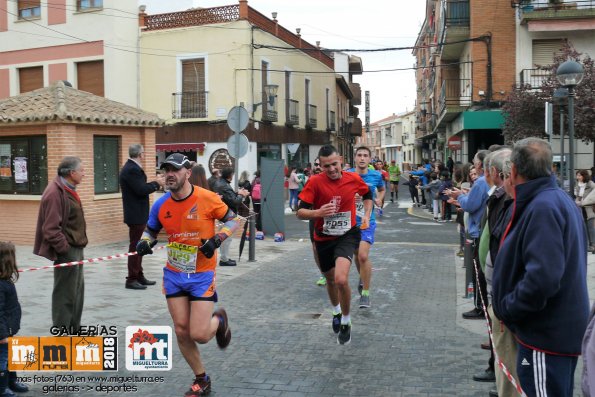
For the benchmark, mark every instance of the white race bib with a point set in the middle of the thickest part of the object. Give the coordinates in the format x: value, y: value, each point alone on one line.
x: 337, y: 224
x: 359, y: 209
x: 182, y: 257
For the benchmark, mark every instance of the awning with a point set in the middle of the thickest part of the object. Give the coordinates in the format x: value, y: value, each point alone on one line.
x: 181, y: 147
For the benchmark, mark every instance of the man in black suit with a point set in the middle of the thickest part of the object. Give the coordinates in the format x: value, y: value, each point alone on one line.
x: 135, y: 197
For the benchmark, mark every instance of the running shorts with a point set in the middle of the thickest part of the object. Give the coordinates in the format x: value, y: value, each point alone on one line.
x: 341, y: 247
x: 368, y: 234
x: 196, y: 286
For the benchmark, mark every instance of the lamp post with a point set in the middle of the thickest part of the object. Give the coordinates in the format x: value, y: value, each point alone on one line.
x: 560, y: 96
x: 569, y: 75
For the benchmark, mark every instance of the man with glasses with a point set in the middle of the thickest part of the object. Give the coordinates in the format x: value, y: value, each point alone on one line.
x: 188, y: 214
x: 135, y: 199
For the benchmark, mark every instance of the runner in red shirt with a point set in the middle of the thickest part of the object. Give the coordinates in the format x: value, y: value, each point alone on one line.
x: 329, y: 199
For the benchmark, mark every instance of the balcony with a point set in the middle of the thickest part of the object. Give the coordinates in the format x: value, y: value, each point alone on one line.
x: 538, y: 12
x: 330, y: 121
x: 356, y: 127
x: 357, y: 94
x: 533, y: 78
x: 269, y: 108
x: 454, y: 27
x: 455, y: 97
x: 311, y: 118
x: 292, y: 112
x: 190, y: 105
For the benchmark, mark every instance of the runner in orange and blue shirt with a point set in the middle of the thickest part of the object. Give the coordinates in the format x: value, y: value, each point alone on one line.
x: 188, y: 214
x: 375, y: 182
x: 329, y: 199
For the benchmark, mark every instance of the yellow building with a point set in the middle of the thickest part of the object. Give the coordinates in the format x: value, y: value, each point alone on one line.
x: 198, y: 64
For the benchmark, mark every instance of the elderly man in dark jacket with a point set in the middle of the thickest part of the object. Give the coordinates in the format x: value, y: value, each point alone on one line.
x: 135, y: 198
x: 233, y: 200
x: 61, y: 236
x: 539, y: 285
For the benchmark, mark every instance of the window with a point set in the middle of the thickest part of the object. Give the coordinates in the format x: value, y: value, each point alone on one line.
x: 23, y: 165
x: 30, y: 79
x: 90, y: 77
x: 106, y: 163
x: 29, y: 9
x: 194, y: 96
x: 82, y: 5
x: 544, y: 51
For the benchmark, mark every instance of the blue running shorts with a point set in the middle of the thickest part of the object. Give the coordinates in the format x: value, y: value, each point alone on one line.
x: 368, y: 234
x: 196, y: 286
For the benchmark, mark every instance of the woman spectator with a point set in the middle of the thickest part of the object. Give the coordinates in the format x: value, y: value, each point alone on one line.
x: 256, y: 195
x: 293, y: 186
x: 199, y: 176
x: 244, y: 183
x: 583, y: 190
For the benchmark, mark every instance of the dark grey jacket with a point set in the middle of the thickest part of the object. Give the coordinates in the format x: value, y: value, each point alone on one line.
x: 10, y: 310
x: 229, y: 197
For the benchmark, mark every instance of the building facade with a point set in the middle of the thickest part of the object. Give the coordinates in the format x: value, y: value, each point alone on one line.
x: 464, y: 57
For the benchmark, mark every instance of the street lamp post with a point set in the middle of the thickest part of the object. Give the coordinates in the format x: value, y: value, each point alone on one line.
x: 570, y: 74
x: 560, y: 95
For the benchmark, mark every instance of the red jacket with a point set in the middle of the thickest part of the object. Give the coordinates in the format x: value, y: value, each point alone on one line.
x: 50, y: 239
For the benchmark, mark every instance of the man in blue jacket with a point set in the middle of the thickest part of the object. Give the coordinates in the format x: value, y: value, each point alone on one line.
x: 475, y: 203
x: 539, y: 283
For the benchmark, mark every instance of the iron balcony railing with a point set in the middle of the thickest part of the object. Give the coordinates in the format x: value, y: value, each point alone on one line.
x: 312, y: 120
x: 533, y: 78
x: 331, y: 121
x: 455, y: 92
x: 292, y: 112
x: 190, y: 105
x: 528, y: 6
x: 269, y: 108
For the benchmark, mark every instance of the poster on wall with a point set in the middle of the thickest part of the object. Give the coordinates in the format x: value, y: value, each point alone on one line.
x: 5, y: 170
x: 20, y: 170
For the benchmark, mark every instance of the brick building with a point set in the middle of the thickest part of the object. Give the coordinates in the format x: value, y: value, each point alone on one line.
x: 39, y: 128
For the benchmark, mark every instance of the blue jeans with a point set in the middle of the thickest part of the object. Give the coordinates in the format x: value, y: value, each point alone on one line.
x: 293, y: 198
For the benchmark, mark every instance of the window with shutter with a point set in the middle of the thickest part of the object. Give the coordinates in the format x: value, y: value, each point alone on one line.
x: 30, y: 79
x: 194, y: 96
x: 544, y: 51
x: 23, y: 165
x: 106, y: 162
x: 90, y: 77
x: 29, y: 9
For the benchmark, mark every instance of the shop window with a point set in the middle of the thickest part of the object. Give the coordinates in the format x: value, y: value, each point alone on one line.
x: 23, y: 165
x: 106, y: 162
x: 29, y: 9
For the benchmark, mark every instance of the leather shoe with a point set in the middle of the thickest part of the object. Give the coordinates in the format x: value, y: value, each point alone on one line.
x: 144, y: 281
x: 134, y: 284
x: 228, y: 263
x: 486, y: 345
x: 486, y: 376
x: 18, y: 387
x: 493, y: 393
x: 474, y: 314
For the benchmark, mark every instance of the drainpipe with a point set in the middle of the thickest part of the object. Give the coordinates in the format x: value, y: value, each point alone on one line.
x: 141, y: 24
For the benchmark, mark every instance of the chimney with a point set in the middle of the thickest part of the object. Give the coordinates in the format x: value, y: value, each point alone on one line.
x: 243, y: 9
x: 142, y: 15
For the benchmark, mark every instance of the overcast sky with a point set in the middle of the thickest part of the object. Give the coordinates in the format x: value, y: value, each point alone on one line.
x: 351, y: 24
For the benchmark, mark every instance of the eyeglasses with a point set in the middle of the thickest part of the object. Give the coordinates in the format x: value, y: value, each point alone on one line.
x: 317, y: 164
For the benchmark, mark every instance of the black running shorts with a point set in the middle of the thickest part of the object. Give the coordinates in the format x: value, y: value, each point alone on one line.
x: 341, y: 247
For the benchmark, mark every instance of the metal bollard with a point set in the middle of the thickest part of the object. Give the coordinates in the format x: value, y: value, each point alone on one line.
x: 251, y: 242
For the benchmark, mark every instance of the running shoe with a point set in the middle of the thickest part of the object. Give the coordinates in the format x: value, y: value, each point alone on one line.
x: 321, y: 281
x: 364, y: 301
x: 461, y: 253
x: 337, y: 322
x: 360, y: 287
x: 223, y: 334
x: 200, y: 387
x: 344, y: 336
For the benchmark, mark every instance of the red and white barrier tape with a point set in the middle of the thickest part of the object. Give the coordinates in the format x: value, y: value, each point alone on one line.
x: 500, y: 364
x: 92, y: 260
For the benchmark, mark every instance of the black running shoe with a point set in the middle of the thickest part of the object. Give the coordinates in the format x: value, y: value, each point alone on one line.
x: 336, y: 322
x: 223, y: 334
x: 344, y: 336
x: 200, y: 387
